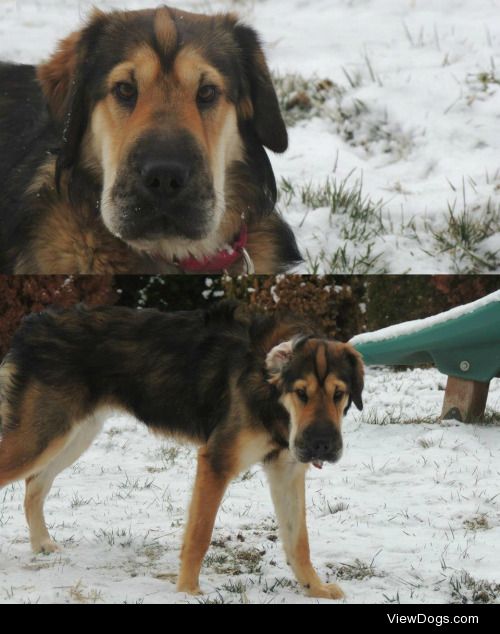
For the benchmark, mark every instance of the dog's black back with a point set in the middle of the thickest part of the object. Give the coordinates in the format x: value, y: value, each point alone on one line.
x: 168, y: 369
x: 27, y: 136
x: 22, y: 114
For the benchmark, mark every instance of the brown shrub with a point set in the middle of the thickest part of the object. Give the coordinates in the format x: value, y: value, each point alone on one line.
x: 23, y: 294
x: 334, y: 302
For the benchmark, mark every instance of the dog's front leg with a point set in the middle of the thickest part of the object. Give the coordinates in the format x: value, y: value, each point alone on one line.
x: 208, y: 490
x: 287, y: 482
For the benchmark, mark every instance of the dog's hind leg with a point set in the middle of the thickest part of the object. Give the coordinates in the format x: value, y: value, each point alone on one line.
x: 287, y: 482
x: 20, y: 460
x: 37, y: 488
x: 39, y: 484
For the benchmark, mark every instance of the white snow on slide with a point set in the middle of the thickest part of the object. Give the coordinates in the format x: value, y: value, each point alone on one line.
x: 407, y: 512
x: 410, y: 327
x: 426, y: 136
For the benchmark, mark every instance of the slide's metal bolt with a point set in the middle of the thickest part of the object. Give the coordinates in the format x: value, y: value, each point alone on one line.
x: 464, y: 366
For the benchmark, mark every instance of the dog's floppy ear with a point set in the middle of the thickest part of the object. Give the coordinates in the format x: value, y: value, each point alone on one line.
x: 356, y: 379
x: 63, y: 79
x: 279, y: 357
x: 55, y: 75
x: 259, y: 102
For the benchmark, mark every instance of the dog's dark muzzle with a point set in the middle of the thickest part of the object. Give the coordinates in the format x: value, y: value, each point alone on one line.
x: 319, y: 442
x: 165, y: 190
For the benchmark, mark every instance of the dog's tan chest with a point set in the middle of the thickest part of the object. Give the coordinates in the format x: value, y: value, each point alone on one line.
x: 74, y: 241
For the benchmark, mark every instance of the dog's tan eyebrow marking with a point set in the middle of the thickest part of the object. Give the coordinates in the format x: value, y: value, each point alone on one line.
x: 190, y: 67
x: 143, y: 64
x: 321, y: 362
x: 333, y: 383
x: 165, y: 31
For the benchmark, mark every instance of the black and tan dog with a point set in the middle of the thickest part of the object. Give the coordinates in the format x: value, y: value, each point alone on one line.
x: 247, y: 389
x: 138, y: 147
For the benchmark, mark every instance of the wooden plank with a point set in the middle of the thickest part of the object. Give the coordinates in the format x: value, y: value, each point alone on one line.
x: 464, y: 400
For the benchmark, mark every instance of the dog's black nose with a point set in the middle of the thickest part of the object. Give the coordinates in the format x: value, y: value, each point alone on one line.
x: 322, y: 446
x: 164, y: 179
x: 320, y: 442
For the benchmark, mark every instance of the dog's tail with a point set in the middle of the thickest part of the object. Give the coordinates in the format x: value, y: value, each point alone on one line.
x: 6, y: 382
x: 8, y: 470
x: 2, y: 390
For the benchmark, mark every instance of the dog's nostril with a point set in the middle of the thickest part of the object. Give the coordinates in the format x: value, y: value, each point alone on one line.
x: 164, y: 178
x: 322, y: 446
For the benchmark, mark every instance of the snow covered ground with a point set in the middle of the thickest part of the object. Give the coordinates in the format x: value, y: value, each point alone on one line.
x: 411, y: 514
x: 410, y: 112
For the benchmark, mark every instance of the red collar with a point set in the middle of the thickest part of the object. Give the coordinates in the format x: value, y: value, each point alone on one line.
x: 221, y: 260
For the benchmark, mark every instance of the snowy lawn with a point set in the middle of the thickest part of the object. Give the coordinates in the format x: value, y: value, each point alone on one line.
x: 411, y: 514
x: 393, y: 108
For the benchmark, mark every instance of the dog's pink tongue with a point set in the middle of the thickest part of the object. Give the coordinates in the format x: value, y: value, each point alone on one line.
x: 318, y: 464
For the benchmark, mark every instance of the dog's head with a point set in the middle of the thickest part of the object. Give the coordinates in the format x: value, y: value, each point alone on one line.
x: 318, y: 380
x: 160, y: 105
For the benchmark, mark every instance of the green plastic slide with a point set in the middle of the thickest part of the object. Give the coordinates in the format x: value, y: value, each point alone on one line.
x: 462, y: 342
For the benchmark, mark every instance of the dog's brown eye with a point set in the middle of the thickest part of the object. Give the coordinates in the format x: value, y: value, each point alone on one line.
x: 206, y: 95
x: 338, y: 396
x: 302, y: 394
x: 125, y: 92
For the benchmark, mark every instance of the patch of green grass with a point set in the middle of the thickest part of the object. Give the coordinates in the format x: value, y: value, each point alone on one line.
x: 79, y: 594
x: 482, y: 85
x: 372, y: 417
x: 151, y: 550
x: 463, y: 234
x: 326, y: 507
x: 355, y: 121
x: 247, y: 475
x: 466, y: 589
x: 395, y: 599
x: 136, y: 484
x: 477, y: 523
x: 217, y: 600
x: 358, y: 570
x: 488, y: 78
x: 121, y: 536
x: 342, y: 261
x: 278, y: 584
x: 490, y: 417
x: 303, y: 98
x: 167, y: 454
x: 343, y: 198
x: 78, y: 501
x: 234, y: 561
x: 237, y: 586
x: 353, y: 216
x: 426, y: 443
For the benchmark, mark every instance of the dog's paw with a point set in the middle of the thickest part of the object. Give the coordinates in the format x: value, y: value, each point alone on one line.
x: 189, y: 589
x: 46, y: 547
x: 326, y: 591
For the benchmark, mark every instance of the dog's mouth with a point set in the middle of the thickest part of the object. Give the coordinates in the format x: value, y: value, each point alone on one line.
x: 134, y: 219
x: 318, y: 461
x: 145, y: 227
